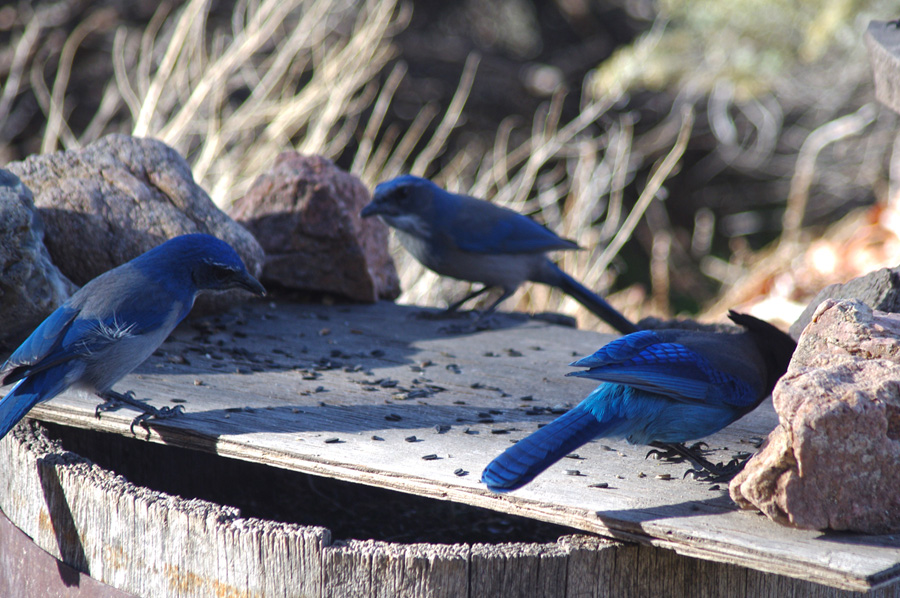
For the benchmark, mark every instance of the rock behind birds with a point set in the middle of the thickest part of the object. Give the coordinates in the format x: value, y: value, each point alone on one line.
x: 305, y: 213
x: 118, y: 197
x: 879, y: 290
x: 31, y: 286
x: 833, y: 460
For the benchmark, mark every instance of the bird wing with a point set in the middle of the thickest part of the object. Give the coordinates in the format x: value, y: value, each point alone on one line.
x: 642, y: 361
x: 43, y: 341
x: 482, y: 227
x: 82, y: 327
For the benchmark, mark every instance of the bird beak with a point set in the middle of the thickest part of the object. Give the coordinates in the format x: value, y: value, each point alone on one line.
x: 372, y: 209
x: 252, y: 285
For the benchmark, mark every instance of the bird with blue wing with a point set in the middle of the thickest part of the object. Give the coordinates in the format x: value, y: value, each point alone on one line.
x: 660, y: 388
x: 474, y: 240
x: 116, y: 321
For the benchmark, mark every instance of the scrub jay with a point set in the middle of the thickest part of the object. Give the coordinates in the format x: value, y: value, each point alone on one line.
x: 114, y: 322
x: 475, y: 240
x: 662, y: 388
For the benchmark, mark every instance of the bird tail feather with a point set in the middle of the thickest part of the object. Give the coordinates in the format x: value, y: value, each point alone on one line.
x: 520, y: 463
x: 596, y: 304
x: 27, y: 393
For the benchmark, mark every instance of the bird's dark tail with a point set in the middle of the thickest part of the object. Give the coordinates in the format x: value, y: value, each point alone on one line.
x: 596, y: 304
x: 520, y: 463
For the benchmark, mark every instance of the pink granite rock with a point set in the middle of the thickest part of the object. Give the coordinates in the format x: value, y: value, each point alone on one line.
x: 305, y: 213
x: 834, y: 460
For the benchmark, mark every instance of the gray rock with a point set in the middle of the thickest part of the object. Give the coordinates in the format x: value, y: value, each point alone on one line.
x: 115, y: 199
x: 30, y: 285
x: 834, y: 460
x: 305, y: 213
x: 879, y: 290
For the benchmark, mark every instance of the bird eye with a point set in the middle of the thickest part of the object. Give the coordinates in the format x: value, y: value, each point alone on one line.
x: 221, y: 274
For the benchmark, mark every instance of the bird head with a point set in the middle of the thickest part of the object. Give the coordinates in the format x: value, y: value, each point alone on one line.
x: 211, y: 263
x: 404, y: 203
x: 775, y: 346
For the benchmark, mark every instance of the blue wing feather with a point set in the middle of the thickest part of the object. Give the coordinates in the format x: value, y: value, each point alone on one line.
x: 642, y: 361
x: 479, y: 226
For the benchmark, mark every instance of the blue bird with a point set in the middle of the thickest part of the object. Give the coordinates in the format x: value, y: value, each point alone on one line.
x: 115, y: 321
x: 662, y: 388
x: 474, y: 240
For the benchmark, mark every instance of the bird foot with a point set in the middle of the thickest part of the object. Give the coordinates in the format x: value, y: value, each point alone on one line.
x: 719, y: 473
x: 674, y: 453
x: 113, y: 401
x: 703, y: 470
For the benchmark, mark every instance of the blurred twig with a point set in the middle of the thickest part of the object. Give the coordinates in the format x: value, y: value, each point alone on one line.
x: 798, y: 196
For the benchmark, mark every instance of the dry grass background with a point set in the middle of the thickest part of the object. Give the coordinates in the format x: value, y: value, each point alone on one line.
x: 319, y: 76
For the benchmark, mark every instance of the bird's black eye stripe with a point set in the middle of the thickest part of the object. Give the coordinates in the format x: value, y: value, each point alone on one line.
x: 221, y: 273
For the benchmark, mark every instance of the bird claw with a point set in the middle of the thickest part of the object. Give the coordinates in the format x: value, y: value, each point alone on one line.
x: 114, y: 401
x: 703, y: 470
x: 155, y: 414
x: 718, y: 473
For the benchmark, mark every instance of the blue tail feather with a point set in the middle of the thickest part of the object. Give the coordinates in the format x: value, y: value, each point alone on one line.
x: 27, y: 393
x: 594, y: 303
x: 521, y: 462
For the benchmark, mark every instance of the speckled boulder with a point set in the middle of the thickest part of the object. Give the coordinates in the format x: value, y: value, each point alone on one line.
x: 30, y: 285
x: 118, y: 197
x: 834, y: 460
x: 305, y: 213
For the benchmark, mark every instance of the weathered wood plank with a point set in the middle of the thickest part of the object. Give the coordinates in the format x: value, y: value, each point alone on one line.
x: 366, y: 393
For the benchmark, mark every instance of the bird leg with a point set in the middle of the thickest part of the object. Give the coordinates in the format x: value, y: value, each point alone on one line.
x: 455, y: 306
x: 114, y: 400
x: 703, y: 470
x: 675, y: 452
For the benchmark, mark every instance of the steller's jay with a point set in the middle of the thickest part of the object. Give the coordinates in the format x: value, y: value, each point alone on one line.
x: 659, y: 387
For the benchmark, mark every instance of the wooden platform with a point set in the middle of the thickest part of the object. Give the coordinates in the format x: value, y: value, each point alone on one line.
x: 381, y: 395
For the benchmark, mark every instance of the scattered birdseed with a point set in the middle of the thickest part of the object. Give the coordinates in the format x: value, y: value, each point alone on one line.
x: 664, y: 476
x: 574, y: 456
x: 332, y: 440
x: 461, y: 472
x: 431, y: 457
x: 411, y: 439
x: 599, y: 485
x: 392, y: 417
x: 442, y: 428
x: 379, y: 438
x: 574, y: 472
